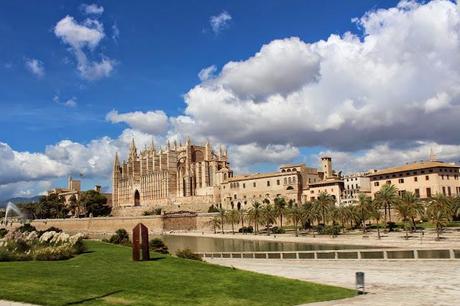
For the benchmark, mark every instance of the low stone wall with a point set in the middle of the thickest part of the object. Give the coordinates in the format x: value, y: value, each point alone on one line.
x: 104, y: 227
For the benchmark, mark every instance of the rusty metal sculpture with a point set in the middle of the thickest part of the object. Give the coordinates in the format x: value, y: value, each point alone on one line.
x: 140, y: 240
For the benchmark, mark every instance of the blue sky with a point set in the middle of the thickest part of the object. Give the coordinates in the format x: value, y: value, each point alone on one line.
x: 287, y: 81
x: 160, y: 50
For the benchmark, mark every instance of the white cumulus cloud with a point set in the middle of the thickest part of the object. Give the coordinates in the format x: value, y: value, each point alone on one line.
x: 219, y: 22
x: 92, y: 9
x: 85, y: 35
x: 35, y: 66
x: 153, y: 122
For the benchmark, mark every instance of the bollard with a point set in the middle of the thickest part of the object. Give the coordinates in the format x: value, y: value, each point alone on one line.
x: 360, y: 283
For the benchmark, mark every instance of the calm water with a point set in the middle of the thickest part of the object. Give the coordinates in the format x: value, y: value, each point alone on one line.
x: 207, y: 244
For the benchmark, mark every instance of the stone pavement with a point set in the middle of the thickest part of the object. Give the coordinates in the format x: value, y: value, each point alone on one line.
x: 424, y: 282
x: 9, y: 303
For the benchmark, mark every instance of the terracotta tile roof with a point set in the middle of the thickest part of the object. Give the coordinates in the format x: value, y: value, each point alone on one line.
x: 326, y: 182
x: 415, y: 166
x: 259, y: 175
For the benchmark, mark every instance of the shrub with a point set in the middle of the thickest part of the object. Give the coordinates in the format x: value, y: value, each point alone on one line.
x: 53, y: 229
x: 121, y: 237
x: 3, y: 232
x: 246, y: 229
x: 212, y: 209
x: 277, y: 230
x: 332, y: 230
x: 157, y: 245
x: 392, y: 226
x: 153, y: 212
x: 26, y: 228
x: 188, y: 254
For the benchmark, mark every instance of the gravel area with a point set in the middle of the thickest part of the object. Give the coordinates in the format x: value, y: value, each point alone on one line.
x: 427, y: 282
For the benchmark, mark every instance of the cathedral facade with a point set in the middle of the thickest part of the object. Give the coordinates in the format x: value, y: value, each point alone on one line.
x: 179, y: 177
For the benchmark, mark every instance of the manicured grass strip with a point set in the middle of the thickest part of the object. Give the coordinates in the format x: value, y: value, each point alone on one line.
x: 106, y: 275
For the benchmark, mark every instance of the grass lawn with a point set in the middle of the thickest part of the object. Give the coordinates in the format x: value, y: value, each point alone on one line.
x: 106, y: 275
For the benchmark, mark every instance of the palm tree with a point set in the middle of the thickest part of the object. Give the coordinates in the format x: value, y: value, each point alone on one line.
x: 364, y: 209
x: 222, y: 214
x: 343, y: 214
x: 376, y: 214
x: 242, y: 216
x: 309, y: 213
x: 439, y: 211
x: 280, y: 207
x: 233, y: 216
x: 296, y: 214
x: 324, y: 202
x: 268, y: 216
x: 215, y: 223
x: 456, y: 206
x: 404, y: 208
x: 254, y: 215
x: 387, y: 196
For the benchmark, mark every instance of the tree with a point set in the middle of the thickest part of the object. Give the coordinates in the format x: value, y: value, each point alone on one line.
x: 215, y: 223
x: 233, y: 216
x: 222, y: 216
x: 74, y: 206
x: 387, y: 196
x: 254, y: 214
x: 309, y: 213
x: 439, y: 211
x: 377, y: 215
x: 243, y: 213
x: 268, y: 216
x: 364, y: 208
x: 94, y: 203
x: 324, y: 203
x: 343, y: 214
x: 280, y: 208
x: 404, y: 209
x: 296, y: 214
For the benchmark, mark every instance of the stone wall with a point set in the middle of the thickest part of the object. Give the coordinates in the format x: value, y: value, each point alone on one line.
x: 104, y: 227
x: 193, y: 203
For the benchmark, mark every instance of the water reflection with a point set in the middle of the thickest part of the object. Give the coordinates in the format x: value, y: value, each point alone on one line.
x: 207, y: 244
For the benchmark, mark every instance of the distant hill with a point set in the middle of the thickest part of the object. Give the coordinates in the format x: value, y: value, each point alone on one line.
x: 19, y: 200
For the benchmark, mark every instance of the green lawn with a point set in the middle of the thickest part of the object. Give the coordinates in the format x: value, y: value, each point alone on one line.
x: 106, y: 275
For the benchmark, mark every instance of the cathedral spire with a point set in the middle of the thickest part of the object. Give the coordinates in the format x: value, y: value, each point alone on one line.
x: 116, y: 162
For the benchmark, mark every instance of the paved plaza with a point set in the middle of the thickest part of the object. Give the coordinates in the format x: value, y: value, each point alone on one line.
x: 424, y: 282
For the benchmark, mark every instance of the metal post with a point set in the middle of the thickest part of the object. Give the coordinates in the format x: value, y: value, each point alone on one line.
x: 360, y: 288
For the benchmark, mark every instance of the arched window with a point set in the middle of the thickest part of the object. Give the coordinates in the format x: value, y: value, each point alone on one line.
x: 137, y: 198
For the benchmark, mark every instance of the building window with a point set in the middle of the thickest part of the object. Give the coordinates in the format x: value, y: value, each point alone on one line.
x: 268, y: 183
x: 444, y: 190
x: 449, y: 192
x: 427, y: 178
x: 254, y: 184
x: 234, y: 196
x: 389, y: 182
x: 415, y: 179
x: 376, y: 184
x: 244, y: 185
x: 417, y: 193
x: 278, y: 182
x: 442, y: 177
x: 293, y: 180
x: 428, y: 192
x: 401, y: 181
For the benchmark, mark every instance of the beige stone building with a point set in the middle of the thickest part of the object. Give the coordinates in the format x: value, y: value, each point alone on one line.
x: 425, y: 178
x: 179, y: 177
x: 73, y: 189
x: 329, y: 182
x: 240, y: 191
x: 354, y: 184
